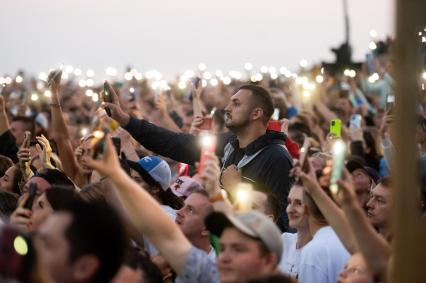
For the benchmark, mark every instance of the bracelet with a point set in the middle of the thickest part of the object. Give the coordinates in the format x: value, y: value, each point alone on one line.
x: 57, y: 105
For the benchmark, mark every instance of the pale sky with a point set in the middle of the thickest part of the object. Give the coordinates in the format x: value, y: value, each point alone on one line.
x: 174, y: 35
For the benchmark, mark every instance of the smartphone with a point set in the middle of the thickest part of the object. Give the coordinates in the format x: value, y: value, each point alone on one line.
x: 32, y: 191
x: 27, y: 136
x: 276, y: 114
x: 355, y: 121
x: 390, y: 102
x: 54, y: 76
x: 371, y: 63
x: 117, y: 144
x: 107, y: 97
x: 98, y: 143
x: 339, y: 150
x: 196, y: 82
x: 208, y: 145
x: 336, y: 127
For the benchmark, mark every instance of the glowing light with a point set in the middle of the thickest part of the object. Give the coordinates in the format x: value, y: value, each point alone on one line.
x: 8, y: 80
x: 248, y: 66
x: 207, y: 75
x: 350, y: 73
x: 132, y: 90
x: 202, y: 67
x: 299, y: 81
x: 423, y: 38
x: 84, y: 131
x: 235, y: 74
x: 372, y: 45
x: 244, y: 197
x: 207, y: 140
x: 226, y: 80
x: 128, y: 76
x: 90, y: 73
x: 182, y: 85
x: 319, y: 79
x: 373, y: 78
x: 64, y: 76
x: 47, y: 93
x: 89, y: 92
x: 214, y: 82
x: 259, y: 77
x: 34, y: 97
x: 110, y: 71
x: 203, y: 83
x: 19, y: 79
x: 69, y: 69
x: 98, y: 134
x: 82, y: 83
x: 264, y: 69
x: 42, y: 76
x: 373, y: 33
x: 90, y: 82
x: 272, y: 69
x: 219, y: 73
x: 338, y: 147
x: 77, y: 72
x: 95, y: 97
x: 2, y: 81
x: 20, y: 245
x: 303, y: 63
x: 274, y: 76
x: 424, y: 75
x: 138, y: 76
x: 306, y: 94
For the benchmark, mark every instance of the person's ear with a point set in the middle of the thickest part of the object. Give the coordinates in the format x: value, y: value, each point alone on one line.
x: 271, y: 261
x: 257, y: 113
x: 85, y: 267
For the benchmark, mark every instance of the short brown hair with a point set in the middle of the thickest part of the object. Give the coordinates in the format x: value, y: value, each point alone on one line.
x: 260, y: 98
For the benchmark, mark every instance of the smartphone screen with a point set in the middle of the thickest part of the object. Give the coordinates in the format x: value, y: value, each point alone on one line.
x: 336, y: 127
x: 355, y: 121
x: 107, y: 97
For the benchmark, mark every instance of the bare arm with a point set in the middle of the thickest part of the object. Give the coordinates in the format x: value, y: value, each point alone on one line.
x: 375, y: 249
x: 144, y: 211
x: 61, y: 136
x: 167, y: 121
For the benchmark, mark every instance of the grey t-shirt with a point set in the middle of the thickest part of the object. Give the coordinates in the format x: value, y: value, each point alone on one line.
x: 199, y: 267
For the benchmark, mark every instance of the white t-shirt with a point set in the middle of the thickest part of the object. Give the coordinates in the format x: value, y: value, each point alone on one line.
x: 289, y: 263
x: 323, y: 258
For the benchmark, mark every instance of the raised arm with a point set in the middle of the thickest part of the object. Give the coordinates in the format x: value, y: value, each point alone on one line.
x: 375, y: 249
x: 177, y: 146
x: 167, y: 121
x: 61, y: 136
x: 144, y: 211
x: 332, y: 213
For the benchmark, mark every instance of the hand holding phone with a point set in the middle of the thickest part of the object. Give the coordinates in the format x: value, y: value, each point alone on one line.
x: 355, y: 121
x: 107, y: 97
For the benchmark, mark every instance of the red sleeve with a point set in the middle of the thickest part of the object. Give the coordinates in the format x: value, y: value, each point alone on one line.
x: 293, y: 147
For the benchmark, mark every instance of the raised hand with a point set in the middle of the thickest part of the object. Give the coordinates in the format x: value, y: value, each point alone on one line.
x: 45, y: 152
x: 211, y: 174
x: 108, y: 164
x: 117, y: 112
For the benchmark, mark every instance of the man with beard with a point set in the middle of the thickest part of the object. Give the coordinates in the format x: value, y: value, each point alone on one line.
x: 249, y: 150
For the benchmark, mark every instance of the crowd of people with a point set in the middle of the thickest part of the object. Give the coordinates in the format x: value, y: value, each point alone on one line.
x: 233, y: 180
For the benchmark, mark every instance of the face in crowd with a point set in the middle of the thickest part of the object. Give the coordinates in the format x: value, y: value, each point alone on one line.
x: 379, y: 206
x: 296, y: 209
x: 242, y: 257
x: 355, y: 271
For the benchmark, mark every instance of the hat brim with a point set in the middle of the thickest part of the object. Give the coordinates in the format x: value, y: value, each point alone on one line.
x: 217, y: 222
x: 353, y: 165
x: 143, y: 173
